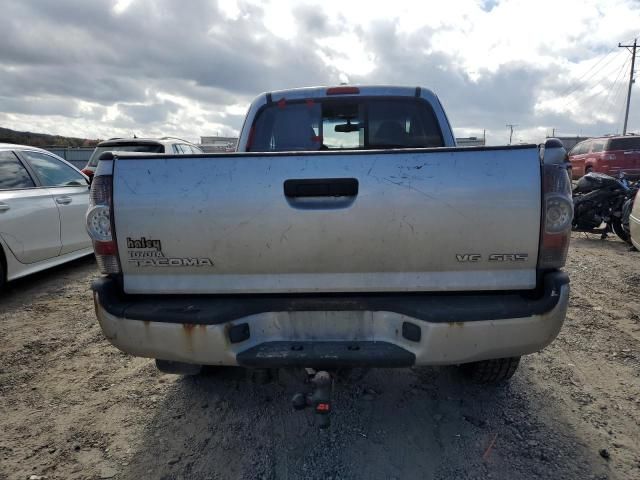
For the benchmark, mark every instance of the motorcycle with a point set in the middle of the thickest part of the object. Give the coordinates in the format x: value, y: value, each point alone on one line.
x: 602, y: 205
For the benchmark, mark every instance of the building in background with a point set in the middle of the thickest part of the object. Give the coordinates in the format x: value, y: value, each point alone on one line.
x: 77, y: 156
x: 218, y: 144
x: 471, y: 141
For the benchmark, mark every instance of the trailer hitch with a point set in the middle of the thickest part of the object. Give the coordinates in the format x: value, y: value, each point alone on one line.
x: 319, y: 399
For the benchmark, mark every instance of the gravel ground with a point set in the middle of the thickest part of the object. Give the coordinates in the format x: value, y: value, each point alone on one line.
x: 75, y: 407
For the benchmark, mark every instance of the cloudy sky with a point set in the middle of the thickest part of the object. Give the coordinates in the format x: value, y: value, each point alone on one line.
x: 188, y: 68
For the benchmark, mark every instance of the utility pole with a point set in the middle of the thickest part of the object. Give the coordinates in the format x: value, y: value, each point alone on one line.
x: 631, y: 80
x: 510, y: 127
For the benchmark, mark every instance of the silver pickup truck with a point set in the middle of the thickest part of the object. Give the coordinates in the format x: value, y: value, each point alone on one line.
x: 346, y: 231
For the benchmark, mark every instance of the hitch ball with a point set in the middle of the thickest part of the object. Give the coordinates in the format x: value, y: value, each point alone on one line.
x: 319, y: 399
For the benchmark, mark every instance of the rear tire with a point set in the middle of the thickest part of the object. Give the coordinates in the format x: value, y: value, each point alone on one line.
x: 496, y: 370
x: 620, y: 231
x: 178, y: 368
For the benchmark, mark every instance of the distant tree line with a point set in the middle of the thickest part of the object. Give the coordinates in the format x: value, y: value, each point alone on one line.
x: 43, y: 140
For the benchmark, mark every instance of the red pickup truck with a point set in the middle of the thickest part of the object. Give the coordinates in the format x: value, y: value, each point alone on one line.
x: 610, y: 155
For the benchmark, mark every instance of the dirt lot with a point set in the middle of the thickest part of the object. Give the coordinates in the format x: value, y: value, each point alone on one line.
x: 74, y: 407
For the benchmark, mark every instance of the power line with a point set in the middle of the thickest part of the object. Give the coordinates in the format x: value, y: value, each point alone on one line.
x: 569, y: 90
x: 582, y: 85
x: 585, y: 73
x: 616, y: 95
x: 613, y: 85
x: 570, y: 99
x: 582, y: 80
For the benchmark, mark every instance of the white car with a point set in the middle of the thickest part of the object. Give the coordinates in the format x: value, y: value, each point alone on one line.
x: 634, y: 222
x: 43, y: 201
x: 146, y: 145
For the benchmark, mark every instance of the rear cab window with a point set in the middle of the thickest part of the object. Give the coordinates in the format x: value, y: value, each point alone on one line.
x: 347, y: 123
x: 124, y: 147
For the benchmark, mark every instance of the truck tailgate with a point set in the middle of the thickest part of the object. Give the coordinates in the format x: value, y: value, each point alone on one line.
x: 465, y: 219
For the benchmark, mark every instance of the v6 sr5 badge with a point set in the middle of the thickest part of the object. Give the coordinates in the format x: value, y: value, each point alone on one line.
x: 147, y: 252
x: 494, y: 257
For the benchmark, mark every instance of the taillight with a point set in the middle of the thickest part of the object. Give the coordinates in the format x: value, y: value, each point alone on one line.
x: 87, y: 172
x: 557, y: 215
x: 100, y: 224
x: 343, y: 91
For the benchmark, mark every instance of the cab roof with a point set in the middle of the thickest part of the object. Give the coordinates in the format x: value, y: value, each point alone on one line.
x: 354, y: 90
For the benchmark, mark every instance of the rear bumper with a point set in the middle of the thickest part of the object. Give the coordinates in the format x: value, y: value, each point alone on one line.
x: 332, y: 330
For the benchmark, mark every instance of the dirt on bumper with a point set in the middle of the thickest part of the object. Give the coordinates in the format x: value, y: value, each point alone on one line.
x: 332, y: 338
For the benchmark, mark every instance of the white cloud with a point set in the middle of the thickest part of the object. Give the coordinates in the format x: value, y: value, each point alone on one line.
x: 229, y: 8
x: 191, y: 68
x: 121, y: 5
x: 278, y: 18
x: 347, y: 53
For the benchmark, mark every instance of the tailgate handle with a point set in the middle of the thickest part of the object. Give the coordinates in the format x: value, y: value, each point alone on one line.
x: 321, y: 187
